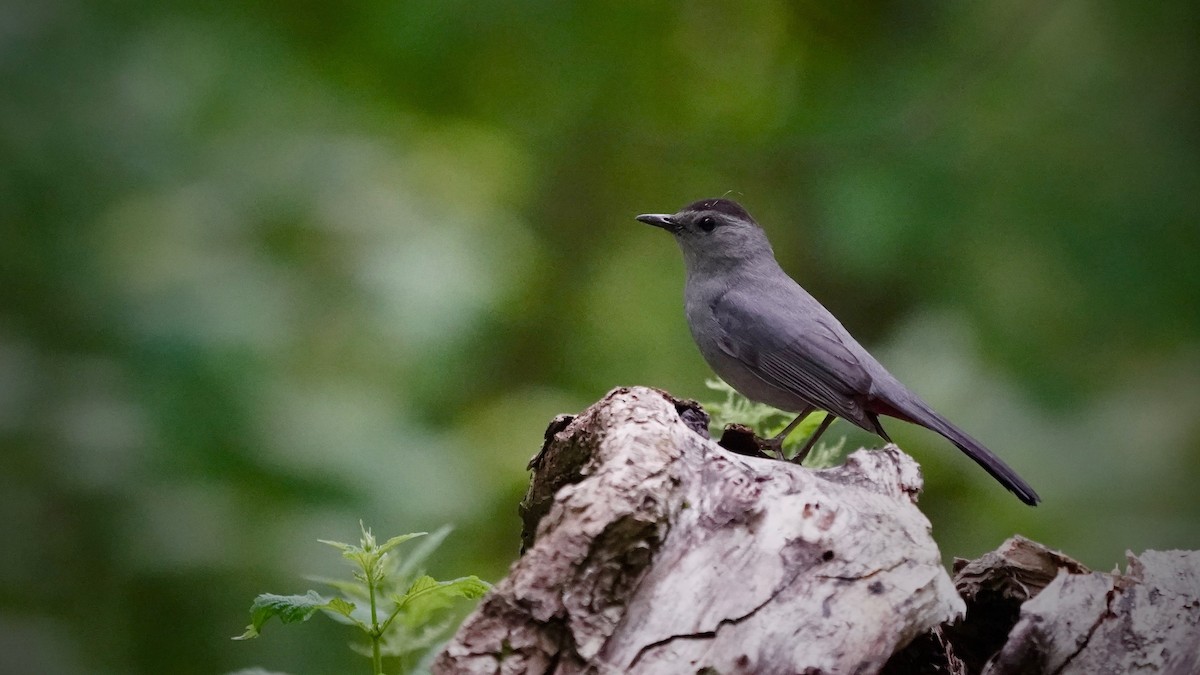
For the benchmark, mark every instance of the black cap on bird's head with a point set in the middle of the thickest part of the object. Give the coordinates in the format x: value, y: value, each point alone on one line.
x: 720, y: 205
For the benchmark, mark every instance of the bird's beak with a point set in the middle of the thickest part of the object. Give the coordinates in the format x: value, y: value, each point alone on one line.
x: 662, y: 220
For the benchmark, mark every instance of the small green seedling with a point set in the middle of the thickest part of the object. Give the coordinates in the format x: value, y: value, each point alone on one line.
x: 398, y: 608
x: 767, y: 422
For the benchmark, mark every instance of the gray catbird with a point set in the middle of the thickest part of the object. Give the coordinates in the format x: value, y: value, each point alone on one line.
x: 772, y: 341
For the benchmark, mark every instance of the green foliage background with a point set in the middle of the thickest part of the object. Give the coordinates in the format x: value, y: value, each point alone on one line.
x: 270, y: 268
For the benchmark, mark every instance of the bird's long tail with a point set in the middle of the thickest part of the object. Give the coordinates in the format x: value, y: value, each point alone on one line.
x: 911, y: 408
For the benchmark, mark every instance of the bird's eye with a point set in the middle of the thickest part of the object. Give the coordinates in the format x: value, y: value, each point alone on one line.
x: 707, y: 223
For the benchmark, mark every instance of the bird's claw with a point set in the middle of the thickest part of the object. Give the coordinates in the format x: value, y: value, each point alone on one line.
x: 771, y: 446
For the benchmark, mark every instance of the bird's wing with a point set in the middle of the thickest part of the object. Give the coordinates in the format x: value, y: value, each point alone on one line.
x: 798, y: 347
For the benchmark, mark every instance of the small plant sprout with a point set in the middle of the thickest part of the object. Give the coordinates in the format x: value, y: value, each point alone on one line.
x: 766, y: 422
x: 398, y: 607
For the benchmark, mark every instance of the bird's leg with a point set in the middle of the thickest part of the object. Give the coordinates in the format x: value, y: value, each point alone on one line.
x: 776, y: 443
x: 829, y: 418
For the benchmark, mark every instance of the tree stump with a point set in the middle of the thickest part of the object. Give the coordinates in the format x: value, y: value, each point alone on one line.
x: 648, y: 548
x: 654, y: 550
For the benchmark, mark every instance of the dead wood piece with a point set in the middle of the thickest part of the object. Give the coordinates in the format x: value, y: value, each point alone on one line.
x: 1144, y: 621
x: 994, y: 587
x: 1019, y: 569
x: 741, y: 440
x: 650, y: 549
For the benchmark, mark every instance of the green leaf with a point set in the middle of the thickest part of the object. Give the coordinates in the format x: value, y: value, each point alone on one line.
x: 423, y: 584
x: 289, y: 609
x: 396, y: 541
x: 427, y: 595
x: 344, y: 548
x: 421, y: 552
x: 403, y: 639
x: 340, y: 606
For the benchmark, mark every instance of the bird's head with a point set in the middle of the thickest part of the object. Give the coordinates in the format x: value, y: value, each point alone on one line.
x: 715, y: 235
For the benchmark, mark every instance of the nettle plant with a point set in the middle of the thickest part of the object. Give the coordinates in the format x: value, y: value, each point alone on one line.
x: 396, y: 606
x: 766, y: 422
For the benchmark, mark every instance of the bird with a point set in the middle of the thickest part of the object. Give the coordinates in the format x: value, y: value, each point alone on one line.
x: 773, y: 342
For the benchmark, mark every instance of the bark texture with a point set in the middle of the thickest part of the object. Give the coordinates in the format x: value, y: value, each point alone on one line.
x: 648, y: 548
x: 1146, y: 620
x: 651, y: 549
x: 1032, y: 611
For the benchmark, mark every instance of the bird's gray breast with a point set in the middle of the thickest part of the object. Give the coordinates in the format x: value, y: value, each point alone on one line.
x: 720, y: 349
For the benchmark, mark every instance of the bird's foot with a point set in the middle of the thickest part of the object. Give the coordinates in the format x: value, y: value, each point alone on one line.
x: 771, y: 447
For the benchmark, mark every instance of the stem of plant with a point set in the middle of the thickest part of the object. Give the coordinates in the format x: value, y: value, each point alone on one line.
x: 376, y: 657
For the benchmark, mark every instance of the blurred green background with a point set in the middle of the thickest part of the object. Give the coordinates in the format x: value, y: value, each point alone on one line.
x: 269, y: 268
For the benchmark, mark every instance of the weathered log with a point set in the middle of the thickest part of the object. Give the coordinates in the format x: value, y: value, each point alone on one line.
x: 1031, y: 610
x: 648, y: 548
x: 651, y: 549
x: 994, y: 588
x: 1146, y: 620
